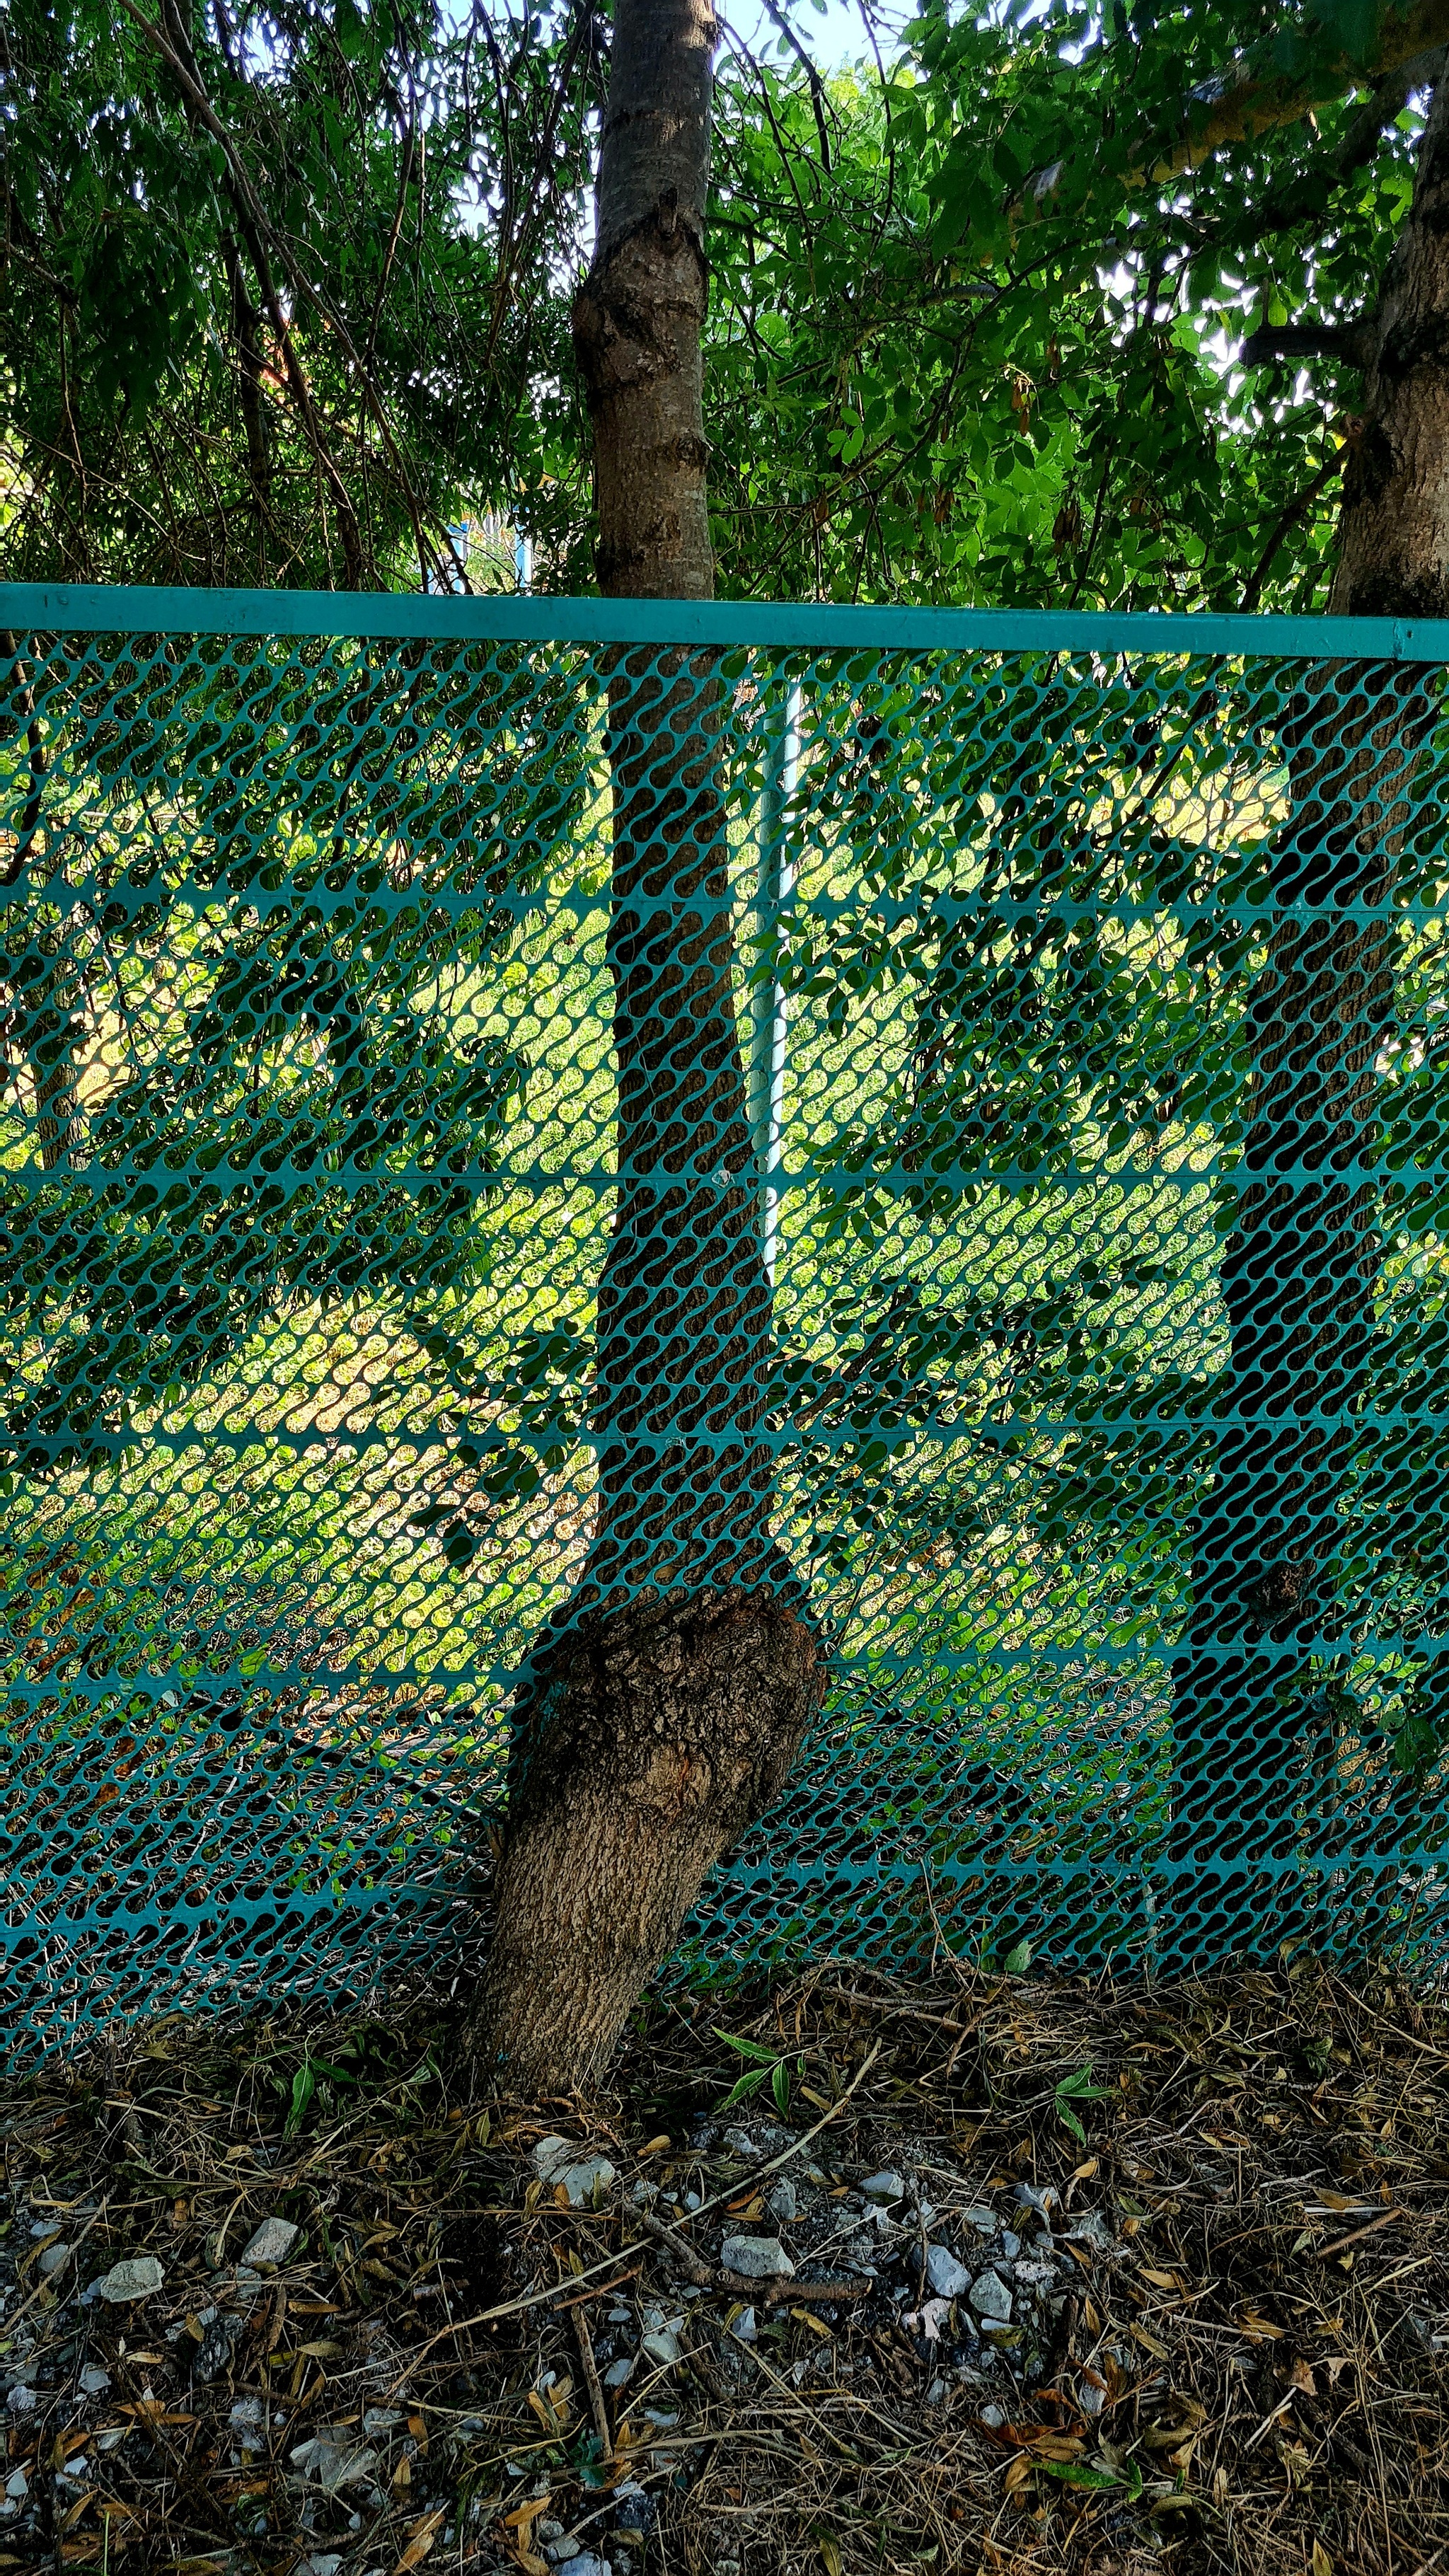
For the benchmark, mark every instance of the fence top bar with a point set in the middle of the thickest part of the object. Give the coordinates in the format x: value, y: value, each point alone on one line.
x: 96, y: 608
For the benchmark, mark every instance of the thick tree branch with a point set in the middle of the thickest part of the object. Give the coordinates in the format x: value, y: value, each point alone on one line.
x: 1421, y: 71
x: 1352, y: 343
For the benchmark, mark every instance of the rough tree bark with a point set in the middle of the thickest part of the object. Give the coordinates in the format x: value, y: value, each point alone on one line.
x: 1300, y: 1262
x: 666, y: 1712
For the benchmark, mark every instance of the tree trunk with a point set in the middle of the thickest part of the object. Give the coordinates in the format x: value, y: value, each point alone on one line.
x: 665, y: 1713
x: 1300, y: 1261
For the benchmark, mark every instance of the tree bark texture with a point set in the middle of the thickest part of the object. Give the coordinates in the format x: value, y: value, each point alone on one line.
x: 665, y: 1709
x: 1301, y: 1259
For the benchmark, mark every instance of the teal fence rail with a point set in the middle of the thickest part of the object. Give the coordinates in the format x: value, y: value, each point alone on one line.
x: 1089, y: 1026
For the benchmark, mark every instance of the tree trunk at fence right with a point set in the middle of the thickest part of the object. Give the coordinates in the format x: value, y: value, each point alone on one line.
x: 665, y: 1713
x: 1301, y: 1259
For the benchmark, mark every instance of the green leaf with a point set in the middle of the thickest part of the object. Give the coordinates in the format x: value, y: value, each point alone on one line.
x: 1017, y: 1960
x: 780, y: 2087
x: 747, y: 2085
x: 749, y: 2048
x: 1075, y: 2473
x: 304, y: 2085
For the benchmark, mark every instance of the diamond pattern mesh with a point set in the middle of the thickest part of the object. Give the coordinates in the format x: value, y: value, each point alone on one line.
x: 1089, y: 1010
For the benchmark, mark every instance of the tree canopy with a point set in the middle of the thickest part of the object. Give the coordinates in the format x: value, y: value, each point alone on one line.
x: 287, y: 288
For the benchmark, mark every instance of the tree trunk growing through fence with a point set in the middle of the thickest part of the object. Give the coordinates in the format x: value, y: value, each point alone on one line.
x: 1300, y: 1262
x: 667, y: 1714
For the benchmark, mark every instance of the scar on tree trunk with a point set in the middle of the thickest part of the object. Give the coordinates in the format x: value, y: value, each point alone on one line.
x: 664, y: 1711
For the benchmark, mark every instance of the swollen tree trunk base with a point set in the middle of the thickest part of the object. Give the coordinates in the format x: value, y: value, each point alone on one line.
x: 673, y: 1724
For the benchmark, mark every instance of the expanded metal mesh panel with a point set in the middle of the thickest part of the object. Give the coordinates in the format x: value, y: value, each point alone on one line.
x: 1051, y: 1248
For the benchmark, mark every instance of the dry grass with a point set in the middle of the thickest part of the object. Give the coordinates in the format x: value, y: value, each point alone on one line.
x: 1242, y: 2364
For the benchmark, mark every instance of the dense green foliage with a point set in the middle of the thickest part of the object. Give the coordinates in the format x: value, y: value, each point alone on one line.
x: 287, y: 289
x: 282, y: 285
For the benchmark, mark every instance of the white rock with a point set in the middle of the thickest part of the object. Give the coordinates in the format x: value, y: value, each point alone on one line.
x: 381, y: 2419
x: 584, y: 2178
x: 993, y: 2417
x: 883, y: 2186
x: 332, y: 2465
x: 744, y: 2328
x: 249, y: 2284
x: 246, y: 2413
x: 740, y: 2143
x: 991, y: 2299
x: 272, y: 2242
x: 21, y: 2401
x: 1091, y: 2228
x: 662, y: 2347
x: 560, y: 2552
x: 586, y: 2564
x: 325, y: 2562
x: 1010, y: 2244
x: 948, y: 2278
x: 781, y: 2202
x: 983, y: 2221
x: 585, y: 2183
x: 757, y: 2258
x: 53, y: 2260
x: 928, y: 2320
x: 1029, y: 2197
x: 137, y: 2276
x: 17, y: 2484
x: 94, y: 2381
x: 619, y: 2373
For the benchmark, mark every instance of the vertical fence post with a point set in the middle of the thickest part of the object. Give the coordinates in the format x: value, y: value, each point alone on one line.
x: 767, y: 998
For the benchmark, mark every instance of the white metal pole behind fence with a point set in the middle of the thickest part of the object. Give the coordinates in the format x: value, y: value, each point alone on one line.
x: 767, y: 1008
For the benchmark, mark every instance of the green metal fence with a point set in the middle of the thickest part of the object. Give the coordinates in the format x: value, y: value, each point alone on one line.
x: 1090, y: 992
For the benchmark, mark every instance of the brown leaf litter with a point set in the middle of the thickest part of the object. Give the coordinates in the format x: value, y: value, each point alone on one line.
x: 1141, y: 2280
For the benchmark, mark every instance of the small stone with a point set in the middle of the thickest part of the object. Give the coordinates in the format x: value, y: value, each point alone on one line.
x: 249, y: 2284
x: 757, y: 2258
x: 883, y: 2186
x: 586, y: 2564
x: 550, y: 2157
x: 137, y: 2276
x: 993, y: 2417
x: 1091, y: 2400
x: 740, y: 2143
x: 94, y: 2381
x: 218, y: 2344
x: 1042, y: 2201
x: 21, y: 2401
x: 246, y: 2415
x: 381, y: 2419
x: 586, y: 2182
x: 620, y: 2316
x: 619, y: 2373
x: 1091, y: 2228
x: 662, y: 2347
x: 983, y: 2221
x: 17, y: 2484
x: 325, y: 2562
x: 559, y: 2552
x: 745, y: 2329
x: 53, y: 2260
x: 938, y: 2392
x: 991, y: 2299
x: 332, y: 2465
x: 948, y: 2278
x: 782, y: 2204
x: 272, y: 2242
x: 1010, y: 2244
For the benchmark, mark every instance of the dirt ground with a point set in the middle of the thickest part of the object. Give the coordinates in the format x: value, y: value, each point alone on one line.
x: 1140, y: 2280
